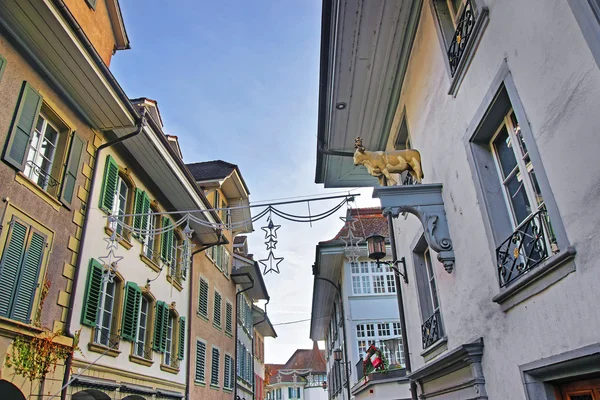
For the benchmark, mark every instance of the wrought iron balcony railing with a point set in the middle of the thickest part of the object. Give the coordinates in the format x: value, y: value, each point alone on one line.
x: 462, y: 34
x: 529, y: 245
x: 44, y: 179
x: 431, y: 330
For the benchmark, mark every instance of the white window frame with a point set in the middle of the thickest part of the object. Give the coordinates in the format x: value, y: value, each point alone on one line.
x: 149, y: 240
x: 141, y: 334
x: 377, y: 338
x: 102, y: 311
x: 364, y: 279
x: 168, y: 355
x: 35, y: 153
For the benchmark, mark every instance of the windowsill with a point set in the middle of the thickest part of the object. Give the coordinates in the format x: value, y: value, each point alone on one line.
x: 140, y: 360
x: 467, y: 56
x: 204, y: 317
x: 122, y: 240
x: 228, y: 390
x: 201, y: 384
x: 99, y: 348
x: 537, y: 279
x: 22, y: 179
x: 228, y: 335
x: 175, y: 283
x: 169, y: 369
x: 435, y: 349
x: 153, y: 266
x: 215, y: 387
x: 217, y: 326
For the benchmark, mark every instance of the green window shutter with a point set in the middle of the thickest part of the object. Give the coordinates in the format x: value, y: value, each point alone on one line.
x: 71, y: 169
x: 109, y: 185
x: 2, y: 65
x: 165, y: 325
x: 24, y: 121
x: 160, y: 327
x: 12, y: 257
x: 138, y: 209
x: 131, y: 310
x: 165, y: 248
x: 181, y: 348
x: 93, y: 293
x: 28, y: 277
x: 290, y: 394
x: 228, y: 318
x: 145, y: 210
x: 203, y: 298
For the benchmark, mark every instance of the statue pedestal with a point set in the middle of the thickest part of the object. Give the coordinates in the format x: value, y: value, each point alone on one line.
x: 427, y: 204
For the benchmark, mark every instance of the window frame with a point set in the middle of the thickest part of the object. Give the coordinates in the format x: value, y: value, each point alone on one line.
x: 587, y: 16
x: 481, y: 21
x: 368, y: 277
x: 116, y: 314
x: 147, y: 350
x: 500, y: 97
x: 377, y: 338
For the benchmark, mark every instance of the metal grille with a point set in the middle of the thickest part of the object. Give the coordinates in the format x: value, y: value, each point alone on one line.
x: 528, y: 246
x: 431, y: 330
x: 464, y: 28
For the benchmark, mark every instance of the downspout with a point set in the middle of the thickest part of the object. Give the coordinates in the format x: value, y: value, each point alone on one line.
x: 68, y: 333
x: 236, y: 329
x: 253, y: 325
x: 407, y: 365
x: 328, y: 152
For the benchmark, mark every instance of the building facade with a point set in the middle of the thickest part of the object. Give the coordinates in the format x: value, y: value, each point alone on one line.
x: 366, y: 313
x: 262, y: 329
x: 213, y: 329
x: 504, y: 231
x: 133, y: 305
x: 302, y: 377
x: 58, y: 96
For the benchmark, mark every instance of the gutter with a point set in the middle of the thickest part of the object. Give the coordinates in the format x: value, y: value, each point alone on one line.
x: 68, y: 333
x: 72, y: 22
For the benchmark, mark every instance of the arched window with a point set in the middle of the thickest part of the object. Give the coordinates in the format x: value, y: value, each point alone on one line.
x: 10, y: 391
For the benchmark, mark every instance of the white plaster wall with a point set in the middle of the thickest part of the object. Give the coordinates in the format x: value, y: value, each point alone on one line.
x: 558, y: 83
x: 314, y: 393
x: 132, y: 269
x: 386, y: 391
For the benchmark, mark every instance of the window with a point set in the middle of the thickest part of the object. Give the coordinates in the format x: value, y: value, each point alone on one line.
x: 200, y: 361
x: 524, y: 226
x: 203, y: 298
x: 217, y: 310
x: 105, y: 316
x: 167, y: 249
x: 141, y: 349
x: 278, y: 393
x: 25, y: 249
x: 214, y: 371
x: 226, y: 267
x: 376, y: 333
x: 371, y: 278
x: 228, y: 372
x: 116, y: 197
x: 40, y: 144
x: 161, y: 321
x: 460, y: 24
x: 228, y: 318
x: 427, y: 291
x: 150, y: 226
x: 175, y: 267
x: 168, y: 356
x: 293, y: 393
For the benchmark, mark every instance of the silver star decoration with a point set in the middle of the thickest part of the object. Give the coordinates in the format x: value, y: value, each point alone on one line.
x: 351, y: 249
x: 270, y: 259
x: 278, y: 378
x: 349, y: 222
x: 271, y: 230
x: 186, y: 253
x: 271, y: 244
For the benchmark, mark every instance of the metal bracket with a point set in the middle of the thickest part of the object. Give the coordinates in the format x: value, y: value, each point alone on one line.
x: 394, y: 265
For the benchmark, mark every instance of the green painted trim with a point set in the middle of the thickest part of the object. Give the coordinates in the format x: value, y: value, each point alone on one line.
x: 3, y: 63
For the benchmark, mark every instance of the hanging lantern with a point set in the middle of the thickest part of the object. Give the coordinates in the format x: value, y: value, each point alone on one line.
x: 337, y: 355
x: 376, y: 247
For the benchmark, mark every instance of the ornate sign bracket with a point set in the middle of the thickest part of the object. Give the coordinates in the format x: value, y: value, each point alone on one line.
x: 427, y: 204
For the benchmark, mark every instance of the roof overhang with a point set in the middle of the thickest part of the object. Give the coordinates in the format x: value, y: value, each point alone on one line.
x: 365, y: 47
x: 329, y: 261
x: 249, y: 269
x: 53, y: 39
x: 116, y: 19
x: 263, y: 323
x: 155, y: 158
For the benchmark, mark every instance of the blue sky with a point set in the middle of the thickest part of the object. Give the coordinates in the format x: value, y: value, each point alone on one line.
x: 238, y: 81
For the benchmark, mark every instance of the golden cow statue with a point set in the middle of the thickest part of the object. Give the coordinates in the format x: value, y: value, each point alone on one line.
x: 383, y: 163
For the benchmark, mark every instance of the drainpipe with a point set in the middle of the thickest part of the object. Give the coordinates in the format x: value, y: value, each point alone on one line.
x: 247, y: 274
x: 253, y: 325
x: 68, y: 333
x: 328, y: 152
x: 413, y: 385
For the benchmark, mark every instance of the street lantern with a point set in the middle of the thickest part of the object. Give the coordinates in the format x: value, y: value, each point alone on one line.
x: 376, y: 247
x: 337, y: 355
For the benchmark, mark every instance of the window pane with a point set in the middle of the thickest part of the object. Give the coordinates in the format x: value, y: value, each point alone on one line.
x: 518, y: 197
x: 504, y: 152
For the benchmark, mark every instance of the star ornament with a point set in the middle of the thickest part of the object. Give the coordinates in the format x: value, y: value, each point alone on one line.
x: 271, y: 230
x: 270, y: 260
x: 271, y: 244
x: 349, y: 222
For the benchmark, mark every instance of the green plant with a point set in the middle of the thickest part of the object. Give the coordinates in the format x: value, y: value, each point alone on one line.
x: 43, y: 293
x: 34, y: 359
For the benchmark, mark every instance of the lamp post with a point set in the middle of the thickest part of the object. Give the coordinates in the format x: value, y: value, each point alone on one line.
x: 376, y: 250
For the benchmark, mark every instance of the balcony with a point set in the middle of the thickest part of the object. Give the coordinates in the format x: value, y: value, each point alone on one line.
x: 464, y: 30
x: 431, y: 330
x: 531, y: 243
